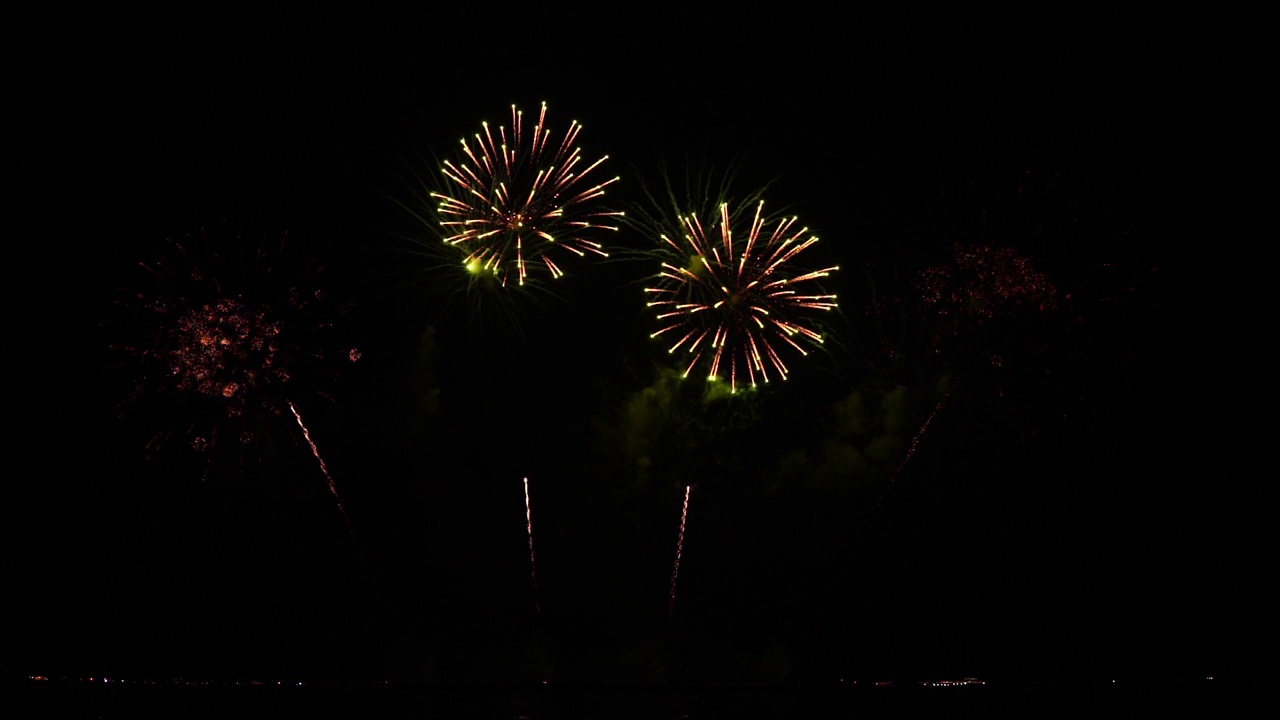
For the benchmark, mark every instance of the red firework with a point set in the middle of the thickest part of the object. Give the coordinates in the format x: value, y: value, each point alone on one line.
x: 222, y: 338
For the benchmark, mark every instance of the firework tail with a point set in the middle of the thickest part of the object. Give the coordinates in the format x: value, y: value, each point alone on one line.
x: 911, y: 450
x: 675, y: 571
x: 333, y: 488
x: 533, y: 565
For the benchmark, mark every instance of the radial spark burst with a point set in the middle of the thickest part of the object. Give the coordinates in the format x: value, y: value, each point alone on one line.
x: 517, y: 198
x: 730, y: 297
x: 221, y: 340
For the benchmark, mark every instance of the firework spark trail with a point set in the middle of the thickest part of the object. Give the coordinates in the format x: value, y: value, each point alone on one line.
x: 333, y: 488
x: 911, y: 449
x: 533, y: 566
x: 675, y: 572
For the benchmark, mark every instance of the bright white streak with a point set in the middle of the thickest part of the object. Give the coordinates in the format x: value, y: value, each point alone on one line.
x: 323, y: 468
x: 533, y: 566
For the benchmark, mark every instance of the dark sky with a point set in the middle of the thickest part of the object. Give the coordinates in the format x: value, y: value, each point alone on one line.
x: 1054, y: 519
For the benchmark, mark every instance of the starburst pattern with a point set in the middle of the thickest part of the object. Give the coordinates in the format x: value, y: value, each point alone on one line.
x: 731, y: 297
x: 515, y: 199
x: 221, y: 337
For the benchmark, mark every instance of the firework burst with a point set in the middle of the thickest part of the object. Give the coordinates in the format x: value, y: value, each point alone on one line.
x: 980, y: 285
x: 516, y: 199
x: 1029, y: 303
x: 730, y: 297
x: 222, y: 340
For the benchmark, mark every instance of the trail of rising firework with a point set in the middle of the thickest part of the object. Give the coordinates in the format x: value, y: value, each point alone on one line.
x: 675, y: 571
x: 333, y: 488
x: 533, y: 564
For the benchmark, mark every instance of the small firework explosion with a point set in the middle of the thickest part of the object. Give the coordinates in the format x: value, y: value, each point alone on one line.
x: 221, y: 340
x: 728, y: 294
x: 516, y: 198
x: 981, y: 283
x: 1024, y: 311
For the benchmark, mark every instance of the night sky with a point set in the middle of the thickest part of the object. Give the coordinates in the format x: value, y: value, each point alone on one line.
x: 1002, y: 483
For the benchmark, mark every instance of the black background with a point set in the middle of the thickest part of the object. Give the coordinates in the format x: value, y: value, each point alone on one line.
x: 1059, y: 518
